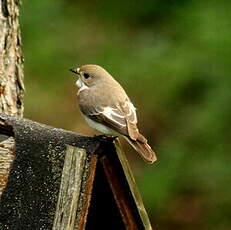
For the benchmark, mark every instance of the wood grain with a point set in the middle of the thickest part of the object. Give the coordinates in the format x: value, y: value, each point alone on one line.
x: 70, y: 188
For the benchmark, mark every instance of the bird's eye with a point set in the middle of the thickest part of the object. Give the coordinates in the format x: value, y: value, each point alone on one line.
x: 86, y: 75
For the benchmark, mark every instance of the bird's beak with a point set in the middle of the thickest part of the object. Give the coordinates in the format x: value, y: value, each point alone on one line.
x: 76, y: 71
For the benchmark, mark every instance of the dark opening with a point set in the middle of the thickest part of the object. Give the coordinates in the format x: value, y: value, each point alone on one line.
x: 103, y: 211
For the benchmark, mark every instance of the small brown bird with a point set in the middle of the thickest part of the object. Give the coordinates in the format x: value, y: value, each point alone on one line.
x: 107, y: 108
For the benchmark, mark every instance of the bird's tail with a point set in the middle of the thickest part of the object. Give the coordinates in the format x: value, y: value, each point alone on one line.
x: 142, y: 147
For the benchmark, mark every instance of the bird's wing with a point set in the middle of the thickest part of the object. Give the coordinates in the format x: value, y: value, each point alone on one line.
x: 121, y: 118
x: 131, y: 120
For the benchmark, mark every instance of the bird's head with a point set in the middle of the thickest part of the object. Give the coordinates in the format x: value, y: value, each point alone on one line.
x: 90, y: 75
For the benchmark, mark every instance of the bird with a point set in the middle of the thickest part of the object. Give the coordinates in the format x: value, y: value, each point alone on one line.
x: 107, y: 108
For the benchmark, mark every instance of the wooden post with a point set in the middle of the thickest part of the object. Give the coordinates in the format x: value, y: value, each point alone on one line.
x: 63, y: 181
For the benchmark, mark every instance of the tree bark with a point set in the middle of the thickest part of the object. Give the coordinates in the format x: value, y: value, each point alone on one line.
x: 11, y: 77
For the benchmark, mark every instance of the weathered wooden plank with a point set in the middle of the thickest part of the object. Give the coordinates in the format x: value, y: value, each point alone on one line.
x: 72, y: 173
x: 97, y: 187
x: 87, y: 189
x: 119, y: 194
x: 30, y: 198
x: 133, y: 187
x: 6, y: 158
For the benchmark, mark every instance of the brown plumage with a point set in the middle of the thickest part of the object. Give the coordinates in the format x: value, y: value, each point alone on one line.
x: 108, y: 109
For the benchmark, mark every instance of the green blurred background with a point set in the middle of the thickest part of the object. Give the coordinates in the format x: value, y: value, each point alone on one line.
x: 174, y: 60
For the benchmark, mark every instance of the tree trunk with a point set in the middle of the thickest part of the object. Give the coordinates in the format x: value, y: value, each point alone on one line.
x: 11, y: 77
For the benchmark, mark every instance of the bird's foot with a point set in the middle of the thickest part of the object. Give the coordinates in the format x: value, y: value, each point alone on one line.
x: 105, y: 137
x: 100, y: 137
x: 112, y: 138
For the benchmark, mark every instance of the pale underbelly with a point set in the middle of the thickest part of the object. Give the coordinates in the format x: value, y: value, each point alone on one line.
x: 100, y: 127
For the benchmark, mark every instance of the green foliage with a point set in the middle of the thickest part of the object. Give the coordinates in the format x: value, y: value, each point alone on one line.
x: 173, y: 58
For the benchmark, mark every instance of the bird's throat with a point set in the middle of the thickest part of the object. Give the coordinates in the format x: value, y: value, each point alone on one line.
x: 81, y: 85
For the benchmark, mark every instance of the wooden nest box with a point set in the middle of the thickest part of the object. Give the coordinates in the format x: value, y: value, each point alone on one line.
x: 61, y: 180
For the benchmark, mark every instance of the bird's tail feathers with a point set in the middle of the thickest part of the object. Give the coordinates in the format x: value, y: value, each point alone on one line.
x: 142, y: 147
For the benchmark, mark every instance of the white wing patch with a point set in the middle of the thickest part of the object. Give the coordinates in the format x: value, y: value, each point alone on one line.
x: 109, y: 112
x: 118, y: 116
x: 132, y: 111
x: 113, y: 115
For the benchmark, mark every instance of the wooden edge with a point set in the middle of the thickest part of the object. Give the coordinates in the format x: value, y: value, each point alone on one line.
x: 5, y: 128
x: 133, y: 187
x: 119, y: 194
x: 7, y: 153
x: 88, y: 192
x: 68, y: 198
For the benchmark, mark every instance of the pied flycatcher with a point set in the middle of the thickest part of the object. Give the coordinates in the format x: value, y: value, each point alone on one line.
x: 107, y: 108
